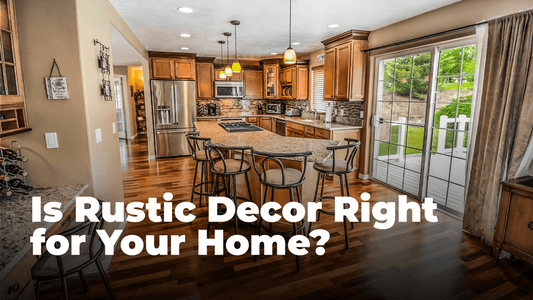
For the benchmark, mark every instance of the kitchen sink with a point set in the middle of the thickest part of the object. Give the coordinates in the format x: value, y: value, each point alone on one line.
x: 306, y: 120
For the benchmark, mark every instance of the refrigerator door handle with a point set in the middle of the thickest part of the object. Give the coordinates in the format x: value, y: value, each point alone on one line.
x: 174, y: 114
x: 175, y: 91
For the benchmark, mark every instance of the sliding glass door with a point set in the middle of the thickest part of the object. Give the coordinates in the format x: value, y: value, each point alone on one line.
x: 421, y: 122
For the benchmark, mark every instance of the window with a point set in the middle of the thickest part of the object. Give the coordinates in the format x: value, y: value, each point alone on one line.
x: 8, y: 67
x: 317, y: 89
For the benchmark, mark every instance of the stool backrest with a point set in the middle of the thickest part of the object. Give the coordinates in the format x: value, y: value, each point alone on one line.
x: 196, y: 143
x: 215, y: 154
x: 275, y: 158
x: 351, y: 150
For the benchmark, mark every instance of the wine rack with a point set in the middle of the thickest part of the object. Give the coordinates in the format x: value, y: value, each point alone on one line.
x: 12, y: 172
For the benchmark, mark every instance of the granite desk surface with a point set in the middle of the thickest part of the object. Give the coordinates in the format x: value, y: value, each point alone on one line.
x: 267, y: 141
x: 300, y: 120
x: 16, y: 226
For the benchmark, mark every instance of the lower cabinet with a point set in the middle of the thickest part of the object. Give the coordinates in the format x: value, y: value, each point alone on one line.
x: 265, y: 123
x: 252, y: 121
x: 17, y: 284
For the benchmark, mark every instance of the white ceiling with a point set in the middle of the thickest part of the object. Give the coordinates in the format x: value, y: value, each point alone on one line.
x: 264, y: 23
x: 122, y: 51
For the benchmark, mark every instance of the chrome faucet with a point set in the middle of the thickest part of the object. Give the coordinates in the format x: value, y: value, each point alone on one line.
x: 316, y: 113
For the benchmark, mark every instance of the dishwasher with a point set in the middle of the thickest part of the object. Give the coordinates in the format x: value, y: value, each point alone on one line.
x: 280, y: 127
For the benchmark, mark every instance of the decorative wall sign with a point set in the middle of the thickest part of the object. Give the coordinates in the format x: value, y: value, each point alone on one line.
x: 104, y: 65
x: 106, y: 90
x: 56, y: 87
x: 320, y: 57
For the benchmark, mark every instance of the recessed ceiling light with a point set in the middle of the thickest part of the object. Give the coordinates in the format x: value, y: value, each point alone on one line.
x: 273, y: 53
x: 184, y: 48
x: 333, y: 25
x: 185, y: 35
x: 186, y: 10
x: 295, y: 43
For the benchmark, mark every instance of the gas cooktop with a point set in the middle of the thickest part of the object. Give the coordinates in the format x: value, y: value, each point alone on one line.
x: 239, y: 127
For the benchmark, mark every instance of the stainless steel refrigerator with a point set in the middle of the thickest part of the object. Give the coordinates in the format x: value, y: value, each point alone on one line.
x: 174, y: 114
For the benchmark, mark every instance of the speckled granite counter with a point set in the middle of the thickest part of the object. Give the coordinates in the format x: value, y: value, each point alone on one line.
x: 16, y: 226
x: 267, y: 141
x: 300, y: 120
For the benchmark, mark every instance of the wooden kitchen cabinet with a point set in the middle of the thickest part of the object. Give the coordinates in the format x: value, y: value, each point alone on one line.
x: 265, y: 123
x: 514, y: 227
x: 252, y: 120
x: 184, y: 69
x: 294, y: 82
x: 162, y: 68
x: 204, y: 80
x: 253, y: 84
x: 295, y: 129
x: 271, y: 81
x: 172, y: 65
x: 234, y: 77
x: 345, y: 66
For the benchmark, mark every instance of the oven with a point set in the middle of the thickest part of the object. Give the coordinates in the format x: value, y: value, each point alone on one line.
x: 228, y: 89
x: 280, y: 127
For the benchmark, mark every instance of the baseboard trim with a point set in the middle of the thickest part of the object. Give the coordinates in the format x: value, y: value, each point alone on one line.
x: 364, y: 176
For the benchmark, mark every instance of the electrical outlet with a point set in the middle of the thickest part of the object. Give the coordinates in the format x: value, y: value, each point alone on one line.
x: 114, y: 128
x: 51, y: 140
x: 98, y: 132
x: 362, y: 114
x: 342, y: 112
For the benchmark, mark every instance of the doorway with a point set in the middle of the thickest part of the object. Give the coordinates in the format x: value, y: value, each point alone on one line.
x: 120, y: 105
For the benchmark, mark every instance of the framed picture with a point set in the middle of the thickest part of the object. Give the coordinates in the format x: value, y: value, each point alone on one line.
x: 106, y: 90
x: 104, y: 62
x: 56, y: 88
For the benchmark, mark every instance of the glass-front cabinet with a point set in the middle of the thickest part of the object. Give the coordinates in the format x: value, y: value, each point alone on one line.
x: 13, y: 117
x: 271, y: 81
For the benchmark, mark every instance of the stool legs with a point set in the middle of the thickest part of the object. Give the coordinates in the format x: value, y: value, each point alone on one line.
x: 194, y: 182
x: 265, y: 197
x: 295, y: 230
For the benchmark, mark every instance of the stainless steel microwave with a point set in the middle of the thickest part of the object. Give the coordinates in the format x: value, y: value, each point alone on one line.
x: 228, y: 89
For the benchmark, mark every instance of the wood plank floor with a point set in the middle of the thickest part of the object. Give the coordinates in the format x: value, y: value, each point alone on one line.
x: 409, y: 261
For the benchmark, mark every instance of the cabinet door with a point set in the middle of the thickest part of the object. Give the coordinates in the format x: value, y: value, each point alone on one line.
x: 289, y: 75
x: 518, y: 234
x: 302, y: 83
x: 204, y: 81
x: 342, y: 69
x: 237, y: 76
x: 216, y: 74
x: 162, y: 68
x: 253, y: 84
x: 329, y: 74
x: 271, y: 85
x: 359, y: 60
x: 184, y: 69
x: 265, y: 123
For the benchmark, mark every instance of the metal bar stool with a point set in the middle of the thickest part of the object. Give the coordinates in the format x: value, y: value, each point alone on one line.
x: 281, y: 178
x: 199, y: 154
x: 51, y: 267
x: 229, y: 168
x: 341, y: 168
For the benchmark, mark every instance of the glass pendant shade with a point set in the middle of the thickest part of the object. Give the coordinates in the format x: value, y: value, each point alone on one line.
x: 222, y: 75
x: 236, y: 67
x: 228, y: 71
x: 290, y: 56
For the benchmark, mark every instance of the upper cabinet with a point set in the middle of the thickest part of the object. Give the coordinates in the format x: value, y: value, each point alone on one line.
x: 345, y: 66
x: 204, y: 78
x: 172, y: 66
x: 13, y: 117
x: 234, y: 77
x: 294, y: 81
x: 271, y: 81
x: 253, y: 84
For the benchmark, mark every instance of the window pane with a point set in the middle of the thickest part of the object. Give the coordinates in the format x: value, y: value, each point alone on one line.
x: 437, y: 190
x: 4, y: 15
x: 411, y: 182
x: 420, y: 88
x: 469, y: 60
x: 8, y: 50
x: 2, y: 87
x: 447, y: 89
x: 421, y: 65
x: 395, y: 176
x: 450, y: 62
x: 384, y: 109
x: 415, y: 139
x: 417, y: 113
x: 403, y: 67
x: 439, y: 166
x: 11, y: 80
x: 400, y: 112
x: 380, y: 170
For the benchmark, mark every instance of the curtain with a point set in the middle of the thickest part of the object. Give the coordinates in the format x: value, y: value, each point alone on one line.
x: 505, y: 119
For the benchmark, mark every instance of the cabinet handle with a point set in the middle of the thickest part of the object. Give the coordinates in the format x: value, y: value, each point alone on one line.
x: 66, y: 221
x: 530, y: 226
x: 14, y: 288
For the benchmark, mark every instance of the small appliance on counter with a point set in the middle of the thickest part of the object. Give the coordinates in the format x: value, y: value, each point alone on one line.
x: 212, y: 109
x: 275, y: 108
x: 260, y: 109
x: 201, y: 110
x: 292, y: 112
x: 329, y: 113
x: 12, y: 172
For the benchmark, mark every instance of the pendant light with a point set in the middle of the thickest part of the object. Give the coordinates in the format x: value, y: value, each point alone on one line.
x: 290, y: 54
x: 236, y: 66
x: 221, y: 74
x: 228, y: 70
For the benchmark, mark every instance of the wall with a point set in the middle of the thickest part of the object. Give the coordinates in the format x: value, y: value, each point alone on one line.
x: 70, y: 163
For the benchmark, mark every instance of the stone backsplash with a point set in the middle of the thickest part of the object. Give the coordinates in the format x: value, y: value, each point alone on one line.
x: 344, y: 112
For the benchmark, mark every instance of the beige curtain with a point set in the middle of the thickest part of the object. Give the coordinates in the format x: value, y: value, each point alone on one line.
x: 505, y: 119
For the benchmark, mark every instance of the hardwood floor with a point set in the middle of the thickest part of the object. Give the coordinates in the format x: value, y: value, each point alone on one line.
x: 409, y: 261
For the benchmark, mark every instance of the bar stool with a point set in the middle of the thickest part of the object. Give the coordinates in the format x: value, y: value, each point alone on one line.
x: 229, y: 168
x: 281, y: 178
x: 199, y: 154
x: 340, y: 168
x: 50, y: 267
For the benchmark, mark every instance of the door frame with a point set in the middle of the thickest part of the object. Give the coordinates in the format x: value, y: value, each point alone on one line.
x: 125, y: 104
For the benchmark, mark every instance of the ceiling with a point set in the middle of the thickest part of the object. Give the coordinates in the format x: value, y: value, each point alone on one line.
x: 264, y: 23
x: 123, y: 53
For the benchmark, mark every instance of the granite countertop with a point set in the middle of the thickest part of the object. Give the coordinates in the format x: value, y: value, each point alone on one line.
x: 300, y: 120
x: 267, y: 141
x: 16, y: 226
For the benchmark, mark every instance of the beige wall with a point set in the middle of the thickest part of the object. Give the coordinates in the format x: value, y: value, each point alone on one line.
x: 459, y: 14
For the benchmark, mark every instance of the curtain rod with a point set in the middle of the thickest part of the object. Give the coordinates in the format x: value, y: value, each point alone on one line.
x: 424, y: 37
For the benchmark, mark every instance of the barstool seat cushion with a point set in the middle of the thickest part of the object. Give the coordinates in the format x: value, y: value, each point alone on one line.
x: 273, y: 176
x: 232, y: 166
x: 200, y: 155
x: 327, y: 166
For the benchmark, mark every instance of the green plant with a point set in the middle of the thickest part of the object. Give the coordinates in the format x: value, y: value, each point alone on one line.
x: 455, y: 109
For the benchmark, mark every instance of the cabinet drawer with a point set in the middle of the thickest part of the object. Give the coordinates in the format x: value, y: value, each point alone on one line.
x: 15, y: 282
x: 68, y: 216
x: 310, y: 130
x: 251, y: 120
x: 518, y: 234
x: 322, y: 133
x: 296, y: 126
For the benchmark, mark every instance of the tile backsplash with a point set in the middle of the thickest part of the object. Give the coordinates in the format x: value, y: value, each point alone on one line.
x: 344, y: 112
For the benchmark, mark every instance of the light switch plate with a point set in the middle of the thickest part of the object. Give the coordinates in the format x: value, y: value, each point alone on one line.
x: 51, y: 140
x: 114, y: 128
x: 98, y: 132
x: 362, y: 114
